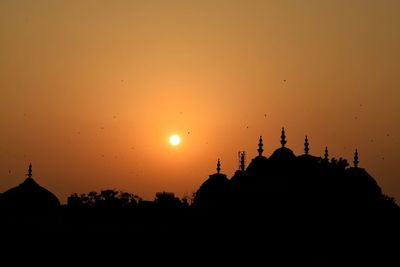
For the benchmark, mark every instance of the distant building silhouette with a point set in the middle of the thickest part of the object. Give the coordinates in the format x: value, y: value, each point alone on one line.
x: 258, y: 165
x: 29, y: 197
x: 285, y: 181
x: 239, y: 175
x: 167, y: 200
x: 28, y: 206
x: 284, y: 209
x: 212, y: 193
x: 283, y: 153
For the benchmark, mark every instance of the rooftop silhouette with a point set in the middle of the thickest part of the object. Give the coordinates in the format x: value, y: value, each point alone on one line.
x: 29, y: 196
x: 283, y: 181
x: 282, y: 200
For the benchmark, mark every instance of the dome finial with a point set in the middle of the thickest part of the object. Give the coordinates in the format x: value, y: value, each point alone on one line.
x: 283, y: 137
x: 356, y: 159
x: 260, y: 146
x: 306, y: 148
x: 30, y: 171
x: 326, y: 153
x: 218, y: 166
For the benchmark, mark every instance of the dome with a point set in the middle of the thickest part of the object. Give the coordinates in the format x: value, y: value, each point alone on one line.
x: 306, y: 158
x: 29, y: 196
x: 214, y: 187
x: 213, y: 192
x: 361, y: 183
x: 238, y: 178
x: 283, y: 153
x: 258, y: 165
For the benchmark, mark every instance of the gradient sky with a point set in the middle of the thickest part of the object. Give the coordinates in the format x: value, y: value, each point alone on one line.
x: 90, y: 91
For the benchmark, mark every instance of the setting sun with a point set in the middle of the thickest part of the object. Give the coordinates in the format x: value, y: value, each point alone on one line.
x: 174, y: 140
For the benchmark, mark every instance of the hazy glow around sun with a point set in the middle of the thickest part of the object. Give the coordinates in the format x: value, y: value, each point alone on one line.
x: 174, y: 140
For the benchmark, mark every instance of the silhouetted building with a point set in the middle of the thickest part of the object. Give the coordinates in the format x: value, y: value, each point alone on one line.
x: 283, y: 154
x: 361, y: 186
x: 240, y: 175
x: 258, y: 165
x: 303, y: 184
x: 307, y: 159
x: 213, y: 192
x: 29, y: 197
x: 167, y: 200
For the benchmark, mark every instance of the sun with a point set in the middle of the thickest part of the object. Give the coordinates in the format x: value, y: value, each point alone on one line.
x: 174, y: 140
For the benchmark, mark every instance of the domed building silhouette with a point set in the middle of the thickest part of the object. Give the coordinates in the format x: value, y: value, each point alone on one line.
x: 29, y: 197
x: 258, y: 165
x: 213, y: 192
x: 361, y: 186
x: 283, y: 154
x: 284, y: 181
x: 240, y: 175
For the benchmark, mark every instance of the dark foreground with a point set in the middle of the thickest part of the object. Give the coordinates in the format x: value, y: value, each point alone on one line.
x: 188, y: 237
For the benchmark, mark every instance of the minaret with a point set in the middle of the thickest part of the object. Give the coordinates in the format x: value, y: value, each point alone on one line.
x: 283, y: 137
x: 356, y: 159
x: 218, y: 166
x: 306, y: 148
x: 326, y: 153
x: 30, y: 171
x: 260, y: 146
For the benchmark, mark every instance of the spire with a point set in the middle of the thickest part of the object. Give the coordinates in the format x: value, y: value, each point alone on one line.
x: 326, y: 153
x: 30, y: 171
x: 218, y: 166
x: 306, y: 148
x: 283, y: 137
x: 260, y: 146
x: 356, y: 159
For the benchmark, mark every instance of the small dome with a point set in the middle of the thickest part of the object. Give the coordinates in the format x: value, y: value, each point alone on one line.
x: 29, y: 196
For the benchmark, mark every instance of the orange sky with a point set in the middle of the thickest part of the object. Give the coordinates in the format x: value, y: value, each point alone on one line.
x: 90, y: 91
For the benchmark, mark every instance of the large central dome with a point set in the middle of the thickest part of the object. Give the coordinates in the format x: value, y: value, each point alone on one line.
x: 283, y: 153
